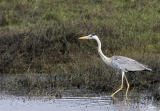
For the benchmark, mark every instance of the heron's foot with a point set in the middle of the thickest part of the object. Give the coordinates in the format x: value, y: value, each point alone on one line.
x: 112, y: 95
x: 115, y: 98
x: 117, y: 90
x: 128, y: 86
x: 127, y: 99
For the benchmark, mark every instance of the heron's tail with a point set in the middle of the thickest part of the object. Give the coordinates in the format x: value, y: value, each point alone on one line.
x: 148, y: 69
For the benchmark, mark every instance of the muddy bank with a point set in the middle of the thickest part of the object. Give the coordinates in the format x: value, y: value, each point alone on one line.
x: 57, y: 84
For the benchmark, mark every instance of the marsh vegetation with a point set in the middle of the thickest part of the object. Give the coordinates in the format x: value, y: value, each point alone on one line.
x: 41, y: 37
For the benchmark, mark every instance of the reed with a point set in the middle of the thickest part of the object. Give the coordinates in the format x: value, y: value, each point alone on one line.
x: 38, y: 36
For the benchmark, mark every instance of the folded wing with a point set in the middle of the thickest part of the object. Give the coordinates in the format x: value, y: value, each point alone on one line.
x: 127, y: 64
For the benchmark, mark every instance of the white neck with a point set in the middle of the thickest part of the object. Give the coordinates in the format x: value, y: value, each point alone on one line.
x: 104, y: 58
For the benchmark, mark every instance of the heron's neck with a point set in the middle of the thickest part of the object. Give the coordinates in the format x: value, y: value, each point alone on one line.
x: 101, y: 53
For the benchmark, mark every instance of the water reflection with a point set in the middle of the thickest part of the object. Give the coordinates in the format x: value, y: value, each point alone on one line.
x: 142, y: 102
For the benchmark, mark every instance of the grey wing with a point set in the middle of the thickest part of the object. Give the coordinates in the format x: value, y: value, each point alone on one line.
x: 127, y: 64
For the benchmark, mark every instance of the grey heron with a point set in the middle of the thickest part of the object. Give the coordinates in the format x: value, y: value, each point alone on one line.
x: 120, y: 63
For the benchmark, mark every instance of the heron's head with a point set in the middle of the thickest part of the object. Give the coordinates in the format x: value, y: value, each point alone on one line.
x: 90, y: 36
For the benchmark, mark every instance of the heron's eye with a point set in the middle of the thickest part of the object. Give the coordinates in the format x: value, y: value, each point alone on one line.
x: 91, y: 35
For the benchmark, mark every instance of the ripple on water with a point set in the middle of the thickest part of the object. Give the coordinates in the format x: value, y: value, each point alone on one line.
x: 141, y: 102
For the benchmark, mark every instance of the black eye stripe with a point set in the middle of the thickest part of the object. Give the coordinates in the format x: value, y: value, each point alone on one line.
x: 93, y: 35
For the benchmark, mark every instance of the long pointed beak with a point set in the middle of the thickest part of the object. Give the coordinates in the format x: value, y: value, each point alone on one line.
x: 85, y: 37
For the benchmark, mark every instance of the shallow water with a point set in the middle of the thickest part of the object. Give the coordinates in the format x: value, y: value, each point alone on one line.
x: 140, y: 102
x: 18, y: 94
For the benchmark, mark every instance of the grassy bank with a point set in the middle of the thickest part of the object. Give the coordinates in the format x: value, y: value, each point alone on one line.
x: 38, y: 36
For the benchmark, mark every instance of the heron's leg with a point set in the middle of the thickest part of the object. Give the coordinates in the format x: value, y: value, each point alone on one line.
x: 120, y: 87
x: 127, y: 86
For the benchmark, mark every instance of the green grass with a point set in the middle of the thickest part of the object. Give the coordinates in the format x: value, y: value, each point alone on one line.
x: 41, y: 36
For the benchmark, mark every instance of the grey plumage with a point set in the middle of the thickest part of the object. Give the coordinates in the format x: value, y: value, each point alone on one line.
x: 120, y: 63
x: 127, y: 64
